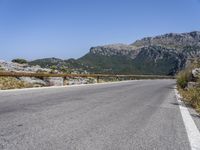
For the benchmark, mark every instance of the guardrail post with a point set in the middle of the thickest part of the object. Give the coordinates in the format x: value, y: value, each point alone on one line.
x: 98, y: 79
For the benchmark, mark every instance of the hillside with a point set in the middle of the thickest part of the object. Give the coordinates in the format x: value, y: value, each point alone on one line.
x: 164, y: 55
x: 67, y: 66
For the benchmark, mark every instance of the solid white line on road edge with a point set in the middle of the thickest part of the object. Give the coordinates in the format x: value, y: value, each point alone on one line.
x: 191, y: 128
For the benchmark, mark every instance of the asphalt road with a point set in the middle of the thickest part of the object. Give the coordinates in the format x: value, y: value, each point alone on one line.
x: 121, y: 116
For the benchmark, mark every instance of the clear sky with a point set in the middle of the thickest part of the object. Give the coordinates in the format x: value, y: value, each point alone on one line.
x: 33, y: 29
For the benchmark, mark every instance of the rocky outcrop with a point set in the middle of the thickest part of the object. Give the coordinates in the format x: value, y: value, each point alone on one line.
x: 10, y: 66
x: 35, y: 82
x: 171, y: 40
x: 195, y: 76
x: 40, y: 82
x: 115, y: 49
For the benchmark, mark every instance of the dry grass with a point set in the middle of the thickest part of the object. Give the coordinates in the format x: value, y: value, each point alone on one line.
x: 12, y: 83
x: 192, y: 97
x: 183, y: 78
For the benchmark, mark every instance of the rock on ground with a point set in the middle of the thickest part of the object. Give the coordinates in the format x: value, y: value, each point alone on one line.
x: 54, y: 81
x: 196, y: 72
x: 34, y: 81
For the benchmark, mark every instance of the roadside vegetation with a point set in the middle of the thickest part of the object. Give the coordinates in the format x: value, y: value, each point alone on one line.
x: 12, y: 83
x: 189, y: 86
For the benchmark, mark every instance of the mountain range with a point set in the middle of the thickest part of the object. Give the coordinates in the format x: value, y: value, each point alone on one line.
x: 162, y: 55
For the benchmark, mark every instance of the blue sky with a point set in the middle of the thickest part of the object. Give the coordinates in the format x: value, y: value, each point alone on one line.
x: 33, y: 29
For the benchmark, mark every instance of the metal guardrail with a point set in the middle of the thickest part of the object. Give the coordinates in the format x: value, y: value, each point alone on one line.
x: 98, y: 76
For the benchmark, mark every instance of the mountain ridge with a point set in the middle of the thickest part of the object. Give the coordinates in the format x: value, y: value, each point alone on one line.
x: 164, y: 54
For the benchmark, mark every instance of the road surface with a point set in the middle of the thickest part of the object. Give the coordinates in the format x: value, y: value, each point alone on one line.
x: 120, y: 116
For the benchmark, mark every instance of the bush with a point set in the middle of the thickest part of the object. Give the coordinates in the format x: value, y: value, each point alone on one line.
x: 20, y: 61
x: 183, y: 78
x: 53, y: 67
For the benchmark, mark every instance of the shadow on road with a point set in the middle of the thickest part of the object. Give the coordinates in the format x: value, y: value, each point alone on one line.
x: 175, y: 104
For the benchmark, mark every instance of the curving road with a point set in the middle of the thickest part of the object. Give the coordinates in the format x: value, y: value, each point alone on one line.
x: 118, y: 116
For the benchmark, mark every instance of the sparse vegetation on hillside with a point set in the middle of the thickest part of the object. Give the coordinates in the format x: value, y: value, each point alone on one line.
x: 65, y: 66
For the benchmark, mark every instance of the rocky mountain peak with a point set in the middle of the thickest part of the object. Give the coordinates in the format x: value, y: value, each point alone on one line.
x: 171, y: 40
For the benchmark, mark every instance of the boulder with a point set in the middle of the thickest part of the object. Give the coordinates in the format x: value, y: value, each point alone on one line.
x: 196, y: 72
x: 34, y: 81
x: 191, y: 85
x: 54, y: 81
x: 79, y: 80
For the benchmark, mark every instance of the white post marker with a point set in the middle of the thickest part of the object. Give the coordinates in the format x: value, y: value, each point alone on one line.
x: 191, y: 128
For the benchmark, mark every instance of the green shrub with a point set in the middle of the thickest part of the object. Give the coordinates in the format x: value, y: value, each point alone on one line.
x: 64, y: 69
x: 53, y: 67
x: 20, y: 61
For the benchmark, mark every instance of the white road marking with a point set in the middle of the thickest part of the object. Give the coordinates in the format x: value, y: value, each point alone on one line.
x: 191, y: 128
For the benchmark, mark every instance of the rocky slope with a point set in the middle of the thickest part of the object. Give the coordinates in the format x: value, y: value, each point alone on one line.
x: 171, y: 40
x: 164, y: 55
x: 27, y: 82
x: 16, y: 67
x: 30, y: 82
